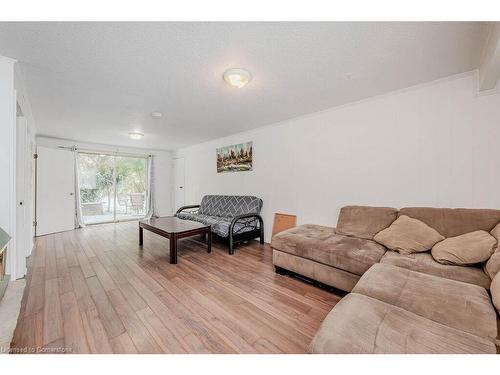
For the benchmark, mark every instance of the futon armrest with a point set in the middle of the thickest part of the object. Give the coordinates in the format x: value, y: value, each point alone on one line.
x: 245, y: 216
x: 187, y: 207
x: 246, y: 224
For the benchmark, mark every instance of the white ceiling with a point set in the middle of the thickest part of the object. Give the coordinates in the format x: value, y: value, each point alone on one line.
x: 95, y: 82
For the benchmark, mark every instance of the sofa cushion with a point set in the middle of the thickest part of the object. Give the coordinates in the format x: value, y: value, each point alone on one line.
x: 229, y: 205
x: 323, y: 245
x: 424, y: 262
x: 364, y: 221
x: 407, y: 235
x: 453, y: 303
x: 466, y: 249
x: 492, y: 266
x: 495, y: 232
x: 451, y: 222
x: 204, y: 219
x: 495, y: 291
x: 361, y: 324
x: 219, y: 225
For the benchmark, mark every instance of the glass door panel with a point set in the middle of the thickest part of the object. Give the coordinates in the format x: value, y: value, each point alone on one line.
x: 131, y: 185
x: 97, y: 187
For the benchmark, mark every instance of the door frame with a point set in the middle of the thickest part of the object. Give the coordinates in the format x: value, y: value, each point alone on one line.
x: 175, y: 164
x: 35, y: 192
x: 22, y: 227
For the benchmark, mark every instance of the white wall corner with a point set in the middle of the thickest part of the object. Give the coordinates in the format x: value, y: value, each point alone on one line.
x: 22, y: 98
x: 489, y: 66
x: 7, y: 60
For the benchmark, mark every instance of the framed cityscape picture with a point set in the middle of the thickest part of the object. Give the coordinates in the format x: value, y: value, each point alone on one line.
x: 235, y: 158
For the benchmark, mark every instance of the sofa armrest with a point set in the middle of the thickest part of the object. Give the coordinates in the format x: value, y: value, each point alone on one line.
x: 246, y: 216
x: 241, y: 217
x: 187, y: 207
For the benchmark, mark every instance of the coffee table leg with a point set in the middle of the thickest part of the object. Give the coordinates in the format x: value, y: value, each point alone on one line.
x: 173, y: 249
x: 209, y: 241
x: 141, y: 236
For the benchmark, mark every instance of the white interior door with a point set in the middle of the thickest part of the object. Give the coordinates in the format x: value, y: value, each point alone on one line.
x: 179, y: 189
x: 56, y: 191
x: 22, y: 228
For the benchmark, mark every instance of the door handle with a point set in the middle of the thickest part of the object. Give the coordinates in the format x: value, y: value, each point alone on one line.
x: 180, y: 187
x: 71, y: 193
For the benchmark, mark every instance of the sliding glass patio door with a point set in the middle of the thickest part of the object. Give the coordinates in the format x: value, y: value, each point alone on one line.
x: 131, y: 187
x: 112, y: 187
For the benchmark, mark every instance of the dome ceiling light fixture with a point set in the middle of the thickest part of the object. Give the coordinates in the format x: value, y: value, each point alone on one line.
x: 237, y: 77
x: 156, y: 115
x: 135, y: 135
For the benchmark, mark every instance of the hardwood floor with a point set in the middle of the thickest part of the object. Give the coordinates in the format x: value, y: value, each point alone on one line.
x: 94, y: 290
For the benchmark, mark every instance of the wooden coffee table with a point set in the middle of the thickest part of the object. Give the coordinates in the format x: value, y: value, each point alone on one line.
x: 173, y: 228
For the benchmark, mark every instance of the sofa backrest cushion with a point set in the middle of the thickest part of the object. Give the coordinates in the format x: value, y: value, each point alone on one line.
x: 466, y: 249
x: 407, y: 235
x: 452, y: 222
x: 495, y: 291
x: 364, y: 221
x: 492, y: 266
x: 230, y: 205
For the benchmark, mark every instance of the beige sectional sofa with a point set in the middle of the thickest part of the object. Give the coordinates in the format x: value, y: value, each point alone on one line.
x: 398, y: 303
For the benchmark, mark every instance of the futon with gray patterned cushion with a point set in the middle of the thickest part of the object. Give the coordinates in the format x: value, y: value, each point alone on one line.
x: 235, y: 217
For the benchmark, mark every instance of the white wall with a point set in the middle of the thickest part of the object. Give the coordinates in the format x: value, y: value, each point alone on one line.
x: 436, y: 144
x: 8, y: 158
x: 25, y: 148
x: 11, y: 92
x: 163, y: 167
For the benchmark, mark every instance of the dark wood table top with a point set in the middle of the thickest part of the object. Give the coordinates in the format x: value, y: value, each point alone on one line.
x: 171, y: 224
